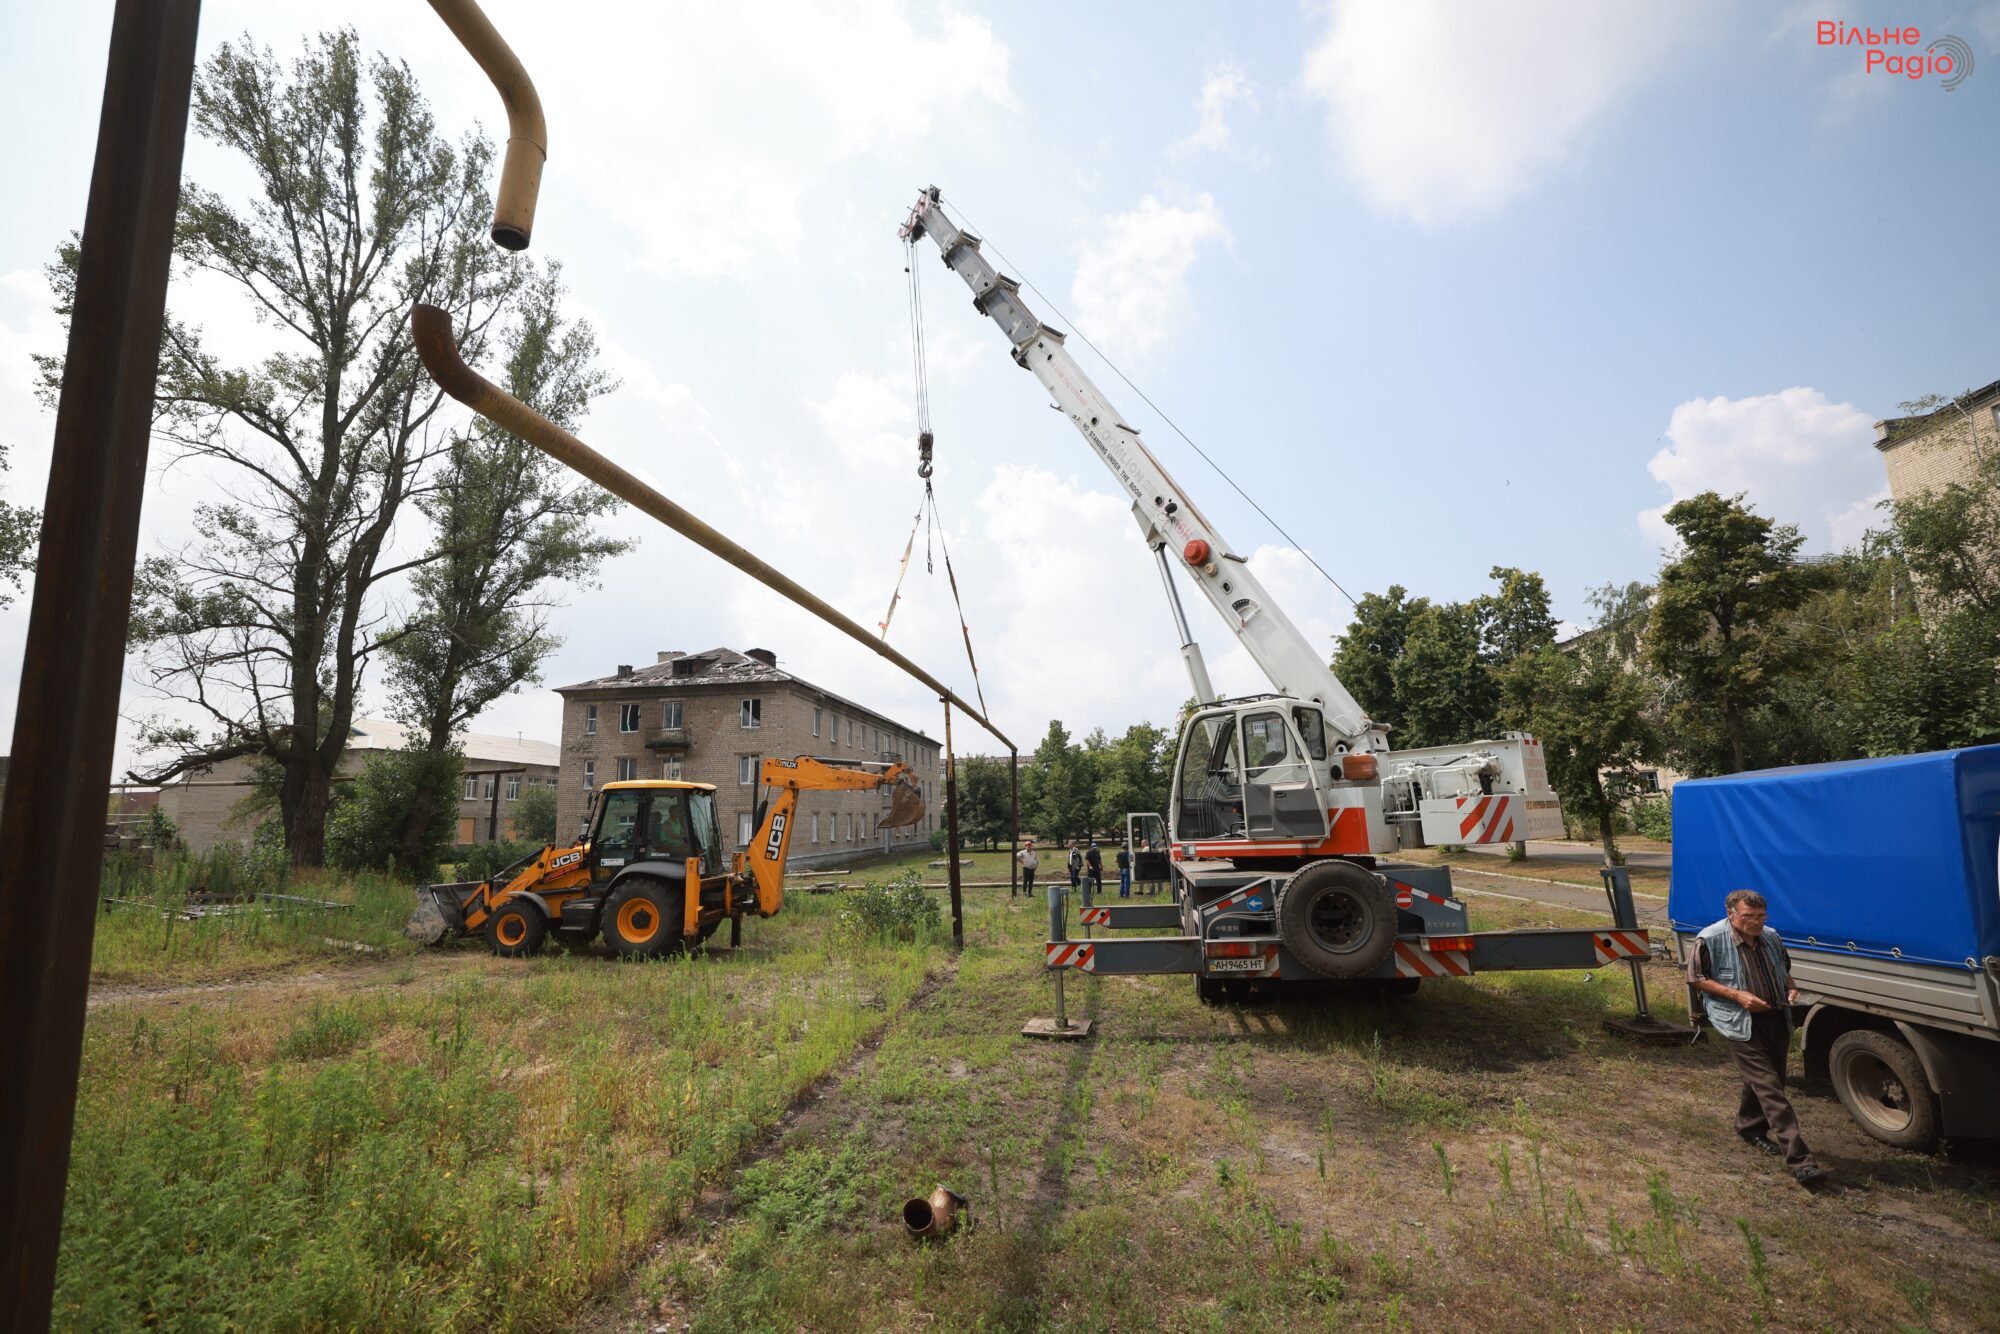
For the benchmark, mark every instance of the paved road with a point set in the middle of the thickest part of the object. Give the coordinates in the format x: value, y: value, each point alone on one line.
x: 1472, y: 884
x: 1581, y: 854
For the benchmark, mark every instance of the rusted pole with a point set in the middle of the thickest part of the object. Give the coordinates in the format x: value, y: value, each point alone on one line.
x: 493, y: 811
x: 439, y: 354
x: 1014, y: 795
x: 66, y: 721
x: 951, y: 830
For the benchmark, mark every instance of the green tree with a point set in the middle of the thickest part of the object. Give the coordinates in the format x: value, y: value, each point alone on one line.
x: 20, y: 533
x: 1445, y: 687
x: 1917, y: 687
x: 535, y: 814
x: 1365, y: 659
x: 1132, y: 776
x: 1716, y: 630
x: 985, y: 805
x: 1590, y: 713
x: 1063, y: 786
x: 511, y: 527
x: 1516, y: 617
x: 365, y: 830
x: 1950, y: 539
x: 263, y: 625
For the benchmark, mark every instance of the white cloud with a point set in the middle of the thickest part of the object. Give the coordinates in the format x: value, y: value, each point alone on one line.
x: 1800, y: 459
x: 1131, y: 285
x: 1443, y: 111
x: 1224, y: 87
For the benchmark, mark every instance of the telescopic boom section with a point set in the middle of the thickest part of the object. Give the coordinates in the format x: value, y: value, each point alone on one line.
x: 1168, y: 519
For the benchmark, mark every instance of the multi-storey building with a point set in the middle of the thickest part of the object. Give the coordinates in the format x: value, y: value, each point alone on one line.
x: 712, y: 718
x: 1936, y: 448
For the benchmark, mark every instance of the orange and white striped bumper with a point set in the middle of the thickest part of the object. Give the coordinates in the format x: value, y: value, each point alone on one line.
x: 1615, y: 945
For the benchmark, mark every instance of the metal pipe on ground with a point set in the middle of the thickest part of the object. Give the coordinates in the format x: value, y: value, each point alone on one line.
x: 439, y: 353
x: 527, y: 130
x: 934, y: 1217
x: 66, y: 721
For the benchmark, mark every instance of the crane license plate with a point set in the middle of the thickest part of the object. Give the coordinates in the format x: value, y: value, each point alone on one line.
x: 1235, y: 965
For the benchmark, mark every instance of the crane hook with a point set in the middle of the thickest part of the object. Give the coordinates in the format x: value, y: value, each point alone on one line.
x: 924, y: 455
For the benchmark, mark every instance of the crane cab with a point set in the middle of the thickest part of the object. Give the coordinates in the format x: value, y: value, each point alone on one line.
x: 1261, y: 780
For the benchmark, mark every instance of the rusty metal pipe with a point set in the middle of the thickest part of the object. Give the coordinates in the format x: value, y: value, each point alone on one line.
x: 934, y: 1217
x: 527, y: 131
x: 432, y: 330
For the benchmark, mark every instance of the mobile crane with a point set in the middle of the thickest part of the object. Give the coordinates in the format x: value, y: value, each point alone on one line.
x: 1283, y: 804
x: 648, y: 874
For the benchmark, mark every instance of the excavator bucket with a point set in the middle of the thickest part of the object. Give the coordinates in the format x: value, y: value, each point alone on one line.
x: 437, y: 914
x: 906, y: 805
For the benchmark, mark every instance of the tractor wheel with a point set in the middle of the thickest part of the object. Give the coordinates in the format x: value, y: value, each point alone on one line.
x: 1881, y: 1083
x: 1337, y: 918
x: 517, y: 928
x: 642, y: 919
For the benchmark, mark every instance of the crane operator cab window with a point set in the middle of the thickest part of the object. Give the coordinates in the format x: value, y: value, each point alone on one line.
x: 1208, y: 799
x: 1312, y: 730
x: 1280, y: 799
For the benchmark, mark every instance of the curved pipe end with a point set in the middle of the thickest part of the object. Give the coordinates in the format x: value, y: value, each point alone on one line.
x: 430, y: 329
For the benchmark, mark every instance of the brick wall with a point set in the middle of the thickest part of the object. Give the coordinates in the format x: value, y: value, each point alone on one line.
x: 1926, y: 453
x: 719, y: 749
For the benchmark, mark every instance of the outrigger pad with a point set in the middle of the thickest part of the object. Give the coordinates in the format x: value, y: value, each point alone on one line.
x: 906, y: 805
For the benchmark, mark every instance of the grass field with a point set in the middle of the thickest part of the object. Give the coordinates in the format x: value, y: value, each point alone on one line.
x: 452, y: 1141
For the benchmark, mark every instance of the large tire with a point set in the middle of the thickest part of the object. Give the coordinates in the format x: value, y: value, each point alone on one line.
x: 642, y: 919
x: 1337, y: 919
x: 1882, y: 1084
x: 517, y: 928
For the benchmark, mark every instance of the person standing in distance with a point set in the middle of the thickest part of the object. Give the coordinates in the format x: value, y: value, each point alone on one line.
x: 1029, y: 859
x: 1124, y: 872
x: 1740, y: 968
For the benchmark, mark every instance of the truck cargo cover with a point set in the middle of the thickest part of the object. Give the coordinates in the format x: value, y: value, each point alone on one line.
x: 1893, y: 854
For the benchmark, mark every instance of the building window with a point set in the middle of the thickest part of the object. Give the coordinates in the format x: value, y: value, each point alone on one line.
x: 486, y: 793
x: 751, y: 714
x: 628, y: 769
x: 589, y: 775
x: 817, y: 713
x: 746, y: 769
x: 513, y: 787
x: 815, y: 826
x: 670, y: 713
x: 670, y: 767
x: 743, y: 830
x: 628, y: 717
x: 590, y: 720
x: 472, y: 789
x: 850, y: 731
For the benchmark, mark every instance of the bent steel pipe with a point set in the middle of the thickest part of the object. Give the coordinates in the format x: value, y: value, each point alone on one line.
x: 933, y: 1217
x: 527, y: 131
x: 431, y: 328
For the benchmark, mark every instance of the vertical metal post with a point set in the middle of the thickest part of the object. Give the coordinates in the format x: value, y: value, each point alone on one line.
x: 1625, y: 916
x: 66, y: 721
x: 493, y: 810
x: 951, y: 831
x: 1014, y: 798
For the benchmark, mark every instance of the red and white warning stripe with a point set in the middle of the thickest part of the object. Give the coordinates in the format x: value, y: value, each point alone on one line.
x: 1412, y: 961
x: 1615, y: 945
x: 1405, y: 894
x: 1237, y: 899
x: 1070, y: 954
x: 1097, y: 916
x: 1488, y: 819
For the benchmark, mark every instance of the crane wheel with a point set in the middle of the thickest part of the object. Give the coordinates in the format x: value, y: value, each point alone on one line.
x: 643, y: 919
x: 1337, y: 918
x: 516, y: 928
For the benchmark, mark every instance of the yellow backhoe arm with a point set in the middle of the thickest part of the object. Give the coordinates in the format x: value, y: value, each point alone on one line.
x: 765, y: 857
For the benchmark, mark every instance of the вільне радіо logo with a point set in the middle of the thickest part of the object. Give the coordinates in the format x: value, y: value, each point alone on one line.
x: 1902, y: 51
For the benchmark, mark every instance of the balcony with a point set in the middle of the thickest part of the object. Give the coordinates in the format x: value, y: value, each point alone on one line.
x: 670, y: 740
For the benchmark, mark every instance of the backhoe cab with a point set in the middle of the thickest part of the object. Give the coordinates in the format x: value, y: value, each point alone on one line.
x: 648, y: 873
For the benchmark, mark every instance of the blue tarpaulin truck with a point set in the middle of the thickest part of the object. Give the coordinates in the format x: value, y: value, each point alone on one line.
x: 1883, y: 877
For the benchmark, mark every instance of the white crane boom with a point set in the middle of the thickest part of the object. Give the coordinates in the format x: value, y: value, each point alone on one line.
x: 1168, y: 518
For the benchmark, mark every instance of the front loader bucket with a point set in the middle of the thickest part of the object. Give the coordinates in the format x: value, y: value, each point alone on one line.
x: 437, y: 914
x: 906, y: 806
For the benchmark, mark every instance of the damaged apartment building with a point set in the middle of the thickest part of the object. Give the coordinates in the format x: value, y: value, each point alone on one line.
x: 712, y: 718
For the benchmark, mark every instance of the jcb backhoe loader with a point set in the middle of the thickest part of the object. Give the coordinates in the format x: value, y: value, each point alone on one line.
x: 648, y: 875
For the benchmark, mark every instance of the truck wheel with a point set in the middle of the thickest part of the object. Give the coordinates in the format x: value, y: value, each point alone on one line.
x: 643, y: 919
x: 516, y: 928
x: 1882, y: 1085
x: 1337, y: 919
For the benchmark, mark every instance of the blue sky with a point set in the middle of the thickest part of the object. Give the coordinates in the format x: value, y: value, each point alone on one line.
x: 1444, y: 286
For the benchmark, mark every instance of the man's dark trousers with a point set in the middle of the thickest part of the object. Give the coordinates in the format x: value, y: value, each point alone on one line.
x: 1764, y: 1110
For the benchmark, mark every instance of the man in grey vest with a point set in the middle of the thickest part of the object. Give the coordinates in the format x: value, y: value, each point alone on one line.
x: 1744, y: 976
